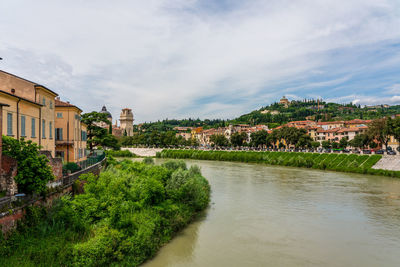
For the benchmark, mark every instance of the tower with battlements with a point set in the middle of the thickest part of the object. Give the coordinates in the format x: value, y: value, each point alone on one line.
x: 126, y: 121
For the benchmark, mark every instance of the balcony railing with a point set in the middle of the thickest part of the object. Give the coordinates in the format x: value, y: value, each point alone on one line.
x: 64, y: 142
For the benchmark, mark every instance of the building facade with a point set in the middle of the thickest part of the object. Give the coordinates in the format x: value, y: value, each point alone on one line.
x: 30, y: 114
x: 70, y: 133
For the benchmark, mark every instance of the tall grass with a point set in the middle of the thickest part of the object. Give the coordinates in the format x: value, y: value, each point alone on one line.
x: 335, y: 162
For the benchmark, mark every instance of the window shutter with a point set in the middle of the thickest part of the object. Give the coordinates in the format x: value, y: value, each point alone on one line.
x: 33, y: 129
x: 9, y: 123
x: 22, y: 125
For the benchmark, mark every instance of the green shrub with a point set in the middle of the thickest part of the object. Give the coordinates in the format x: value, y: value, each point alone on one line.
x: 175, y: 164
x: 148, y: 160
x: 120, y: 153
x: 34, y: 172
x: 123, y: 217
x: 71, y: 166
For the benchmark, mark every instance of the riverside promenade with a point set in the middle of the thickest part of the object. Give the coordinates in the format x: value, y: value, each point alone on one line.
x: 143, y: 152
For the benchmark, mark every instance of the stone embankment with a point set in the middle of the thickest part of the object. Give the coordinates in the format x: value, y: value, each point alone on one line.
x: 143, y: 152
x: 387, y: 162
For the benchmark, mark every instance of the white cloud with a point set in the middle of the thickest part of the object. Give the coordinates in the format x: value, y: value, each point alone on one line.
x: 160, y: 57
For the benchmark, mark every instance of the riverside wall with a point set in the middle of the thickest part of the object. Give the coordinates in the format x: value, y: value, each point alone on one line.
x: 143, y: 152
x: 13, y: 207
x: 388, y: 162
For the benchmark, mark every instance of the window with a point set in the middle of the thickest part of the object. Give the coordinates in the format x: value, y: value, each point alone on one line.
x: 44, y: 101
x: 23, y: 126
x: 59, y: 134
x: 84, y: 135
x: 60, y: 154
x: 59, y: 114
x: 43, y: 129
x: 9, y: 124
x: 51, y: 104
x: 51, y: 130
x: 33, y: 129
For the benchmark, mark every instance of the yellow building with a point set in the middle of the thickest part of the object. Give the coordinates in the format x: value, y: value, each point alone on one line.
x: 70, y: 132
x: 31, y: 111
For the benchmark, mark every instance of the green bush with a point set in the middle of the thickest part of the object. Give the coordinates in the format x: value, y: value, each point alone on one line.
x: 148, y: 160
x: 34, y: 172
x: 124, y: 216
x: 120, y: 153
x: 71, y: 166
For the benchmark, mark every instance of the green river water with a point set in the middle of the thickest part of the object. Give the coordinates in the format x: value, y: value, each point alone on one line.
x: 280, y: 216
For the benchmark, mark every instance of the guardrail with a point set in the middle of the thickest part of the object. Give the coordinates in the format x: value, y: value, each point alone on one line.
x: 7, y: 204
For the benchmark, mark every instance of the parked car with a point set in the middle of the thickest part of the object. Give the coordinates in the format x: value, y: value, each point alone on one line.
x: 327, y: 150
x: 356, y: 151
x: 380, y: 151
x: 366, y: 151
x: 391, y: 152
x: 345, y: 151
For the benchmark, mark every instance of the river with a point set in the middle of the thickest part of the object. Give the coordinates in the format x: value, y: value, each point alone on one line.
x: 280, y: 216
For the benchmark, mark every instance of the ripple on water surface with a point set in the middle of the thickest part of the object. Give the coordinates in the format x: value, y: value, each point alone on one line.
x: 281, y: 216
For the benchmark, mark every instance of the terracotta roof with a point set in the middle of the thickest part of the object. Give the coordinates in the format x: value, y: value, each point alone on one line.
x: 358, y: 121
x: 352, y: 129
x: 60, y: 103
x: 330, y: 122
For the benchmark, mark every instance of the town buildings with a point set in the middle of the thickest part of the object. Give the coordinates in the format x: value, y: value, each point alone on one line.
x: 126, y: 122
x: 70, y: 132
x: 30, y: 113
x: 34, y: 112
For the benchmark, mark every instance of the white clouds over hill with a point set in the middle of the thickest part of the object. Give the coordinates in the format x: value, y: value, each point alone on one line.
x: 198, y: 58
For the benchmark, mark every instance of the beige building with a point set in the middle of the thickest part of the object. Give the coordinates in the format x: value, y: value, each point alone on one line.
x: 284, y: 101
x: 70, y: 132
x: 31, y: 110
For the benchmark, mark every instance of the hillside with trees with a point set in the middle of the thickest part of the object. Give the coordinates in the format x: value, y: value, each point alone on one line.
x: 277, y: 114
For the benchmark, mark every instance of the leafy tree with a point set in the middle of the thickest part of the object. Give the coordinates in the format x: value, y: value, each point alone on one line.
x: 95, y: 133
x: 33, y: 170
x: 343, y: 142
x: 380, y: 130
x: 259, y: 138
x: 304, y: 141
x: 395, y: 127
x: 326, y: 144
x: 315, y: 144
x: 219, y: 140
x: 335, y: 145
x: 238, y: 139
x: 360, y: 141
x: 373, y: 144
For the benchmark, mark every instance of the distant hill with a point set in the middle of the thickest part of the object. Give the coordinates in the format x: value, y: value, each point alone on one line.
x: 277, y: 114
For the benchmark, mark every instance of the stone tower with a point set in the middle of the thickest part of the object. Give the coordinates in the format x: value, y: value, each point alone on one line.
x: 126, y: 121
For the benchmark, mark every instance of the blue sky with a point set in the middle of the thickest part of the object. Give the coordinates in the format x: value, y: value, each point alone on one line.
x: 207, y: 59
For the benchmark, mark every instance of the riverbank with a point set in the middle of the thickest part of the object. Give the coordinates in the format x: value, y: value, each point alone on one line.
x: 142, y: 152
x: 335, y: 162
x: 124, y: 216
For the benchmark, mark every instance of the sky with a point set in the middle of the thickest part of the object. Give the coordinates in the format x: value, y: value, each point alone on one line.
x: 204, y: 59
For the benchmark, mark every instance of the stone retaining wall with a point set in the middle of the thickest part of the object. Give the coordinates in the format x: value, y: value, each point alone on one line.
x: 388, y: 162
x: 9, y: 218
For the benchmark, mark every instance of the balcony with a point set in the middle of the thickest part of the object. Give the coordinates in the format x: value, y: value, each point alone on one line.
x: 64, y: 142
